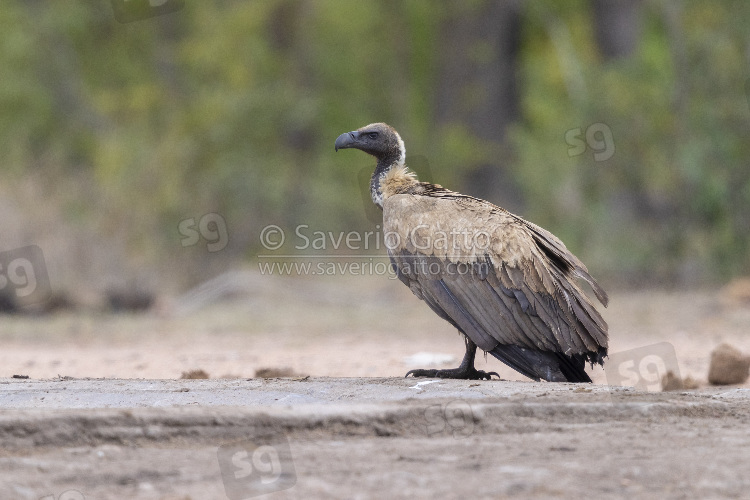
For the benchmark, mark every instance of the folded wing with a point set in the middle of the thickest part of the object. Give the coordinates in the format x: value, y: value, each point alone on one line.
x: 507, y: 284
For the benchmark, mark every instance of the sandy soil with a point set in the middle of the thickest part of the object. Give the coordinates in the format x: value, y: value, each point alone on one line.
x: 371, y: 437
x: 343, y: 327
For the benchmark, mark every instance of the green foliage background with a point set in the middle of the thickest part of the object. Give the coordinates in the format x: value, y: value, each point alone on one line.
x: 233, y: 107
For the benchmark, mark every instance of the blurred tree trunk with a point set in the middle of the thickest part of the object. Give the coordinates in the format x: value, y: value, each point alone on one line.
x: 477, y: 87
x: 618, y: 27
x: 290, y: 39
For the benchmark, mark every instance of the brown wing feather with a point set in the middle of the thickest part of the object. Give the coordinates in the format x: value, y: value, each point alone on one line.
x: 518, y: 289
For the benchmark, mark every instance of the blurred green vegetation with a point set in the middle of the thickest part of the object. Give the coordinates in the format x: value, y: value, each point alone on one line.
x: 232, y: 107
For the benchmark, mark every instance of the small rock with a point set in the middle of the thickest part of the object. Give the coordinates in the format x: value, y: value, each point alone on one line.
x: 194, y: 374
x: 672, y: 382
x: 737, y: 292
x: 728, y: 366
x: 275, y: 372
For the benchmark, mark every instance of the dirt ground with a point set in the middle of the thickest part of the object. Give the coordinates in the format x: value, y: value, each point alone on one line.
x: 370, y: 438
x: 337, y: 327
x: 103, y: 414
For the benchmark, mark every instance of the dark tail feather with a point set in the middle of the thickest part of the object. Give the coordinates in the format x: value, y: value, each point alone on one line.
x: 546, y: 365
x: 572, y: 367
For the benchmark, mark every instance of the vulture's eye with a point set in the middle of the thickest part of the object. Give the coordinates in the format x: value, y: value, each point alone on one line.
x: 372, y: 135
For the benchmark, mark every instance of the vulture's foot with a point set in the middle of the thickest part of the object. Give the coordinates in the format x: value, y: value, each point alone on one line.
x: 462, y: 372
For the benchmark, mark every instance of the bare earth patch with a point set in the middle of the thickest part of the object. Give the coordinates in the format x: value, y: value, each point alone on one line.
x: 104, y: 413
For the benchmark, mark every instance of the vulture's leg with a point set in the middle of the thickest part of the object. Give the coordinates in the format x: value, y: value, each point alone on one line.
x: 464, y: 371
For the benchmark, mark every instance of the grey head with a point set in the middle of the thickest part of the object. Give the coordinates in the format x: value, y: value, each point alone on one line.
x: 377, y: 139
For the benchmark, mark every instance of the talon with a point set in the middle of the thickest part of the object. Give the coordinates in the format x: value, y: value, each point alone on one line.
x: 457, y: 373
x: 421, y: 373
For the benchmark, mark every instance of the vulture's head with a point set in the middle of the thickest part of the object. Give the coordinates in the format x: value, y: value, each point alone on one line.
x: 378, y: 139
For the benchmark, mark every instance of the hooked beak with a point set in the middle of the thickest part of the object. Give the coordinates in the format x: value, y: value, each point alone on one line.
x: 347, y: 140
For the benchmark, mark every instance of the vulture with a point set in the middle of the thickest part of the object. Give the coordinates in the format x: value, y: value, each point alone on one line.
x: 506, y: 284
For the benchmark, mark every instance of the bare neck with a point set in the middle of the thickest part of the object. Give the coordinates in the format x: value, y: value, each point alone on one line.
x: 395, y: 158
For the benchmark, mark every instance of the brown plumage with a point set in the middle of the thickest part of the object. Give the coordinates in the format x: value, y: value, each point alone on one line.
x: 506, y: 284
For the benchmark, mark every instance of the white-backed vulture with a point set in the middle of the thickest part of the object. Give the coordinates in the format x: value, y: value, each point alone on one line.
x: 508, y: 285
